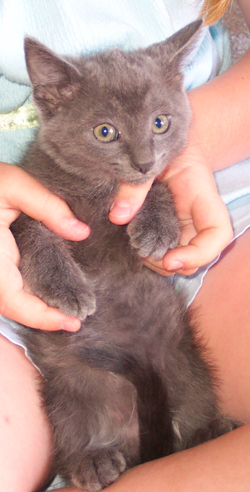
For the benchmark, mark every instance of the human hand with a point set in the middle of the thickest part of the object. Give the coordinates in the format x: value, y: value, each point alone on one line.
x: 205, y: 224
x: 19, y: 192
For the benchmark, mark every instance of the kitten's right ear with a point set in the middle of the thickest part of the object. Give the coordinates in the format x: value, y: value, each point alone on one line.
x: 54, y: 80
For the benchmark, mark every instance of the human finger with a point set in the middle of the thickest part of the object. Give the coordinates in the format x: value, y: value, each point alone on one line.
x: 202, y: 249
x: 158, y: 267
x: 128, y: 201
x: 205, y: 245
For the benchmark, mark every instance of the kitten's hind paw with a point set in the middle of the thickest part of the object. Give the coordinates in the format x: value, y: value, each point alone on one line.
x: 218, y: 427
x: 98, y: 470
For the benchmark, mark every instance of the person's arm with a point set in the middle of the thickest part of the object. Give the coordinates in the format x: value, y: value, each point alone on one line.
x: 221, y: 116
x: 20, y: 192
x: 221, y: 464
x: 245, y: 7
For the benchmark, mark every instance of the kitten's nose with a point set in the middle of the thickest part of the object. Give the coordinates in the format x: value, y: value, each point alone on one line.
x: 142, y: 168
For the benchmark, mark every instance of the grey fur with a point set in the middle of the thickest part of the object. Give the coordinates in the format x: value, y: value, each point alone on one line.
x: 132, y: 384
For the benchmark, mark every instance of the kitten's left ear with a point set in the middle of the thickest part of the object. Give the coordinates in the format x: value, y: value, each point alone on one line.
x: 53, y: 79
x: 178, y: 45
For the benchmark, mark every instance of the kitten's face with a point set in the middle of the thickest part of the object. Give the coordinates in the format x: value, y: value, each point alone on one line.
x: 120, y: 115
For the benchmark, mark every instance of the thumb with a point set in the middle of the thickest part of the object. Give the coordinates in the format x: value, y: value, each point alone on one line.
x: 128, y: 201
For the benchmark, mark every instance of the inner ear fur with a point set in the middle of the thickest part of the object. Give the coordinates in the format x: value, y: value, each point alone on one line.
x: 54, y: 80
x: 177, y: 47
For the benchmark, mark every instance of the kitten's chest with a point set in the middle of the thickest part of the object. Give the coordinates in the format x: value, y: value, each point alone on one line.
x: 89, y: 199
x: 107, y: 249
x: 91, y: 209
x: 108, y: 244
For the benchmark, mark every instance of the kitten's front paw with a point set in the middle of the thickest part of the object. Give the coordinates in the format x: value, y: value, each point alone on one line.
x: 153, y: 236
x: 74, y: 299
x: 76, y: 302
x: 99, y: 469
x: 61, y: 285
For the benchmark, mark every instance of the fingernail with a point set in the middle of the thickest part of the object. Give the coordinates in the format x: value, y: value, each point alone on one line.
x: 120, y: 209
x: 77, y: 225
x: 71, y: 325
x: 175, y: 265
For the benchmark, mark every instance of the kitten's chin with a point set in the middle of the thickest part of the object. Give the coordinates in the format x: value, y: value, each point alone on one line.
x: 133, y: 180
x: 138, y: 178
x: 141, y: 179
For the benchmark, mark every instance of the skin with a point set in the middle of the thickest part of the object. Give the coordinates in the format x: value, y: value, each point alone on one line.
x: 223, y: 305
x: 23, y: 464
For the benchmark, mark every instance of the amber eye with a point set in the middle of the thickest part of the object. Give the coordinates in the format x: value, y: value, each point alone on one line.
x: 106, y: 133
x: 161, y: 123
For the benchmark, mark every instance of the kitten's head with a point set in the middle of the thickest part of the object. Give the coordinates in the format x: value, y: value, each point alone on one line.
x: 117, y: 114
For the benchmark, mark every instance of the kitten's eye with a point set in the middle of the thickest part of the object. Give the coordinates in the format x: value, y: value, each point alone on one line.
x: 106, y: 133
x: 161, y: 123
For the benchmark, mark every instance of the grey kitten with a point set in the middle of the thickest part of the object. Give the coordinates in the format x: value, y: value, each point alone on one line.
x: 132, y: 385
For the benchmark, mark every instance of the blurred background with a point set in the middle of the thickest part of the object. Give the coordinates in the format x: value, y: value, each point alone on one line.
x: 239, y: 33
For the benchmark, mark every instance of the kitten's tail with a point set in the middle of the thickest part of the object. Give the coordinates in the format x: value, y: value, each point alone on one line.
x: 156, y: 432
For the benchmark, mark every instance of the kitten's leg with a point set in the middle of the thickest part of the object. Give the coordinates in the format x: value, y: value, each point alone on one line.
x: 196, y: 416
x: 49, y: 271
x: 155, y: 228
x: 94, y: 418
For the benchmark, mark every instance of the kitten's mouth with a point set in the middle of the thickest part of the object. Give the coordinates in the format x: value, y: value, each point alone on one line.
x: 140, y: 178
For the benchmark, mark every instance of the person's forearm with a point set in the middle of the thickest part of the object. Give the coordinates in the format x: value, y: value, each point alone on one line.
x: 221, y: 116
x: 245, y: 7
x: 222, y: 464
